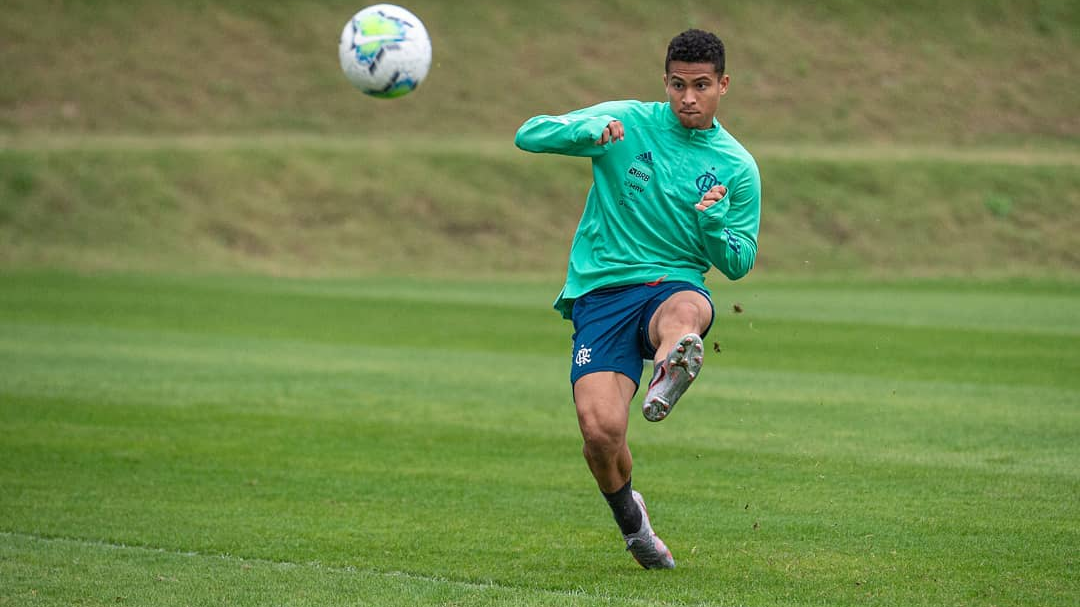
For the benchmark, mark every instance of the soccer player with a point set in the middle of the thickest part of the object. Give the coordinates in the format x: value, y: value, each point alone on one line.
x: 673, y: 193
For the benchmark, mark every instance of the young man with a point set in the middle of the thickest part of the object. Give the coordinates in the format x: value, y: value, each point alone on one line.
x: 672, y: 194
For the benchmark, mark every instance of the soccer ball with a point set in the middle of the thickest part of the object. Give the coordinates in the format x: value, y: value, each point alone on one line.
x: 385, y: 51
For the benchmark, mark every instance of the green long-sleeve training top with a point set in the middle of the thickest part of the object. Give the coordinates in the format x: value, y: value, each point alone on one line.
x: 639, y: 224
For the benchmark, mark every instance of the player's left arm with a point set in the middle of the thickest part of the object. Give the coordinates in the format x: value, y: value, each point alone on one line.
x: 729, y: 217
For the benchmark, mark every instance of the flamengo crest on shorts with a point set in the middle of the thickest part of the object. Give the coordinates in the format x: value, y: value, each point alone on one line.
x: 611, y: 327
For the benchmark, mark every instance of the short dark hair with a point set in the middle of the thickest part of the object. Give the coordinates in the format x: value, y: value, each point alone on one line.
x: 696, y: 46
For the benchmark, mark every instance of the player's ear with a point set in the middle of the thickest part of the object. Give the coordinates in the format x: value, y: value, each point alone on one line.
x: 724, y: 81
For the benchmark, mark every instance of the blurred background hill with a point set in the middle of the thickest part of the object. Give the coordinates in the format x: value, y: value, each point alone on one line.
x: 918, y: 137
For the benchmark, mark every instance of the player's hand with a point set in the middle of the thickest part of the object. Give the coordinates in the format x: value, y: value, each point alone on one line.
x: 714, y: 195
x: 614, y: 131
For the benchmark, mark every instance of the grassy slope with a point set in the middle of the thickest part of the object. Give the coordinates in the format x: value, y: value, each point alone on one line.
x: 841, y: 70
x: 203, y: 441
x: 326, y: 209
x: 431, y: 183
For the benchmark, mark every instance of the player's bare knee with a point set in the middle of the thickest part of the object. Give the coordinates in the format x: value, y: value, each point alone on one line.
x: 601, y: 441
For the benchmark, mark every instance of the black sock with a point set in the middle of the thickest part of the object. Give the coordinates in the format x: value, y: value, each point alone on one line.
x: 626, y: 511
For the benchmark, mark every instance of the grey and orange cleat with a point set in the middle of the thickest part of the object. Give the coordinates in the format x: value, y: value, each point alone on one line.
x: 648, y: 550
x: 672, y: 376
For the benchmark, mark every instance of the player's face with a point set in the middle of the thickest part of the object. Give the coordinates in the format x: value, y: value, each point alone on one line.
x: 694, y: 90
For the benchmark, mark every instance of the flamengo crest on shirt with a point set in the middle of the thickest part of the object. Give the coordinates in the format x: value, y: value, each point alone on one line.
x: 706, y: 181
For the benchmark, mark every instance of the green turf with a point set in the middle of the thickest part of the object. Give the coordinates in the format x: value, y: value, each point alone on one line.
x: 396, y: 441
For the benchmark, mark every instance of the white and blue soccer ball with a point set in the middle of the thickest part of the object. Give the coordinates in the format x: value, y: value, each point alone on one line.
x: 385, y: 51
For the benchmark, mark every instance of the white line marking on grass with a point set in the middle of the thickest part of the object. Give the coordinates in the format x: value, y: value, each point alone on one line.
x: 481, y: 586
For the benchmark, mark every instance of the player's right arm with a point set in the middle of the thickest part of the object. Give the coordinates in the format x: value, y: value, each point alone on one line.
x: 586, y: 132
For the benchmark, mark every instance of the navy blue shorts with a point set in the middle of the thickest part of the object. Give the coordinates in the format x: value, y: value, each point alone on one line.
x: 611, y: 327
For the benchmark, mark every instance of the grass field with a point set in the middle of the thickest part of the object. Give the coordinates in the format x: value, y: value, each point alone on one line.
x: 175, y: 440
x: 265, y: 341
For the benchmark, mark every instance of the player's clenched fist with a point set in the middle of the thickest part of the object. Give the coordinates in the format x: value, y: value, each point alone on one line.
x: 714, y: 195
x: 614, y: 131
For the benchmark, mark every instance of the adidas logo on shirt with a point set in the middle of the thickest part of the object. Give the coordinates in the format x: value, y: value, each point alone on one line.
x: 645, y: 157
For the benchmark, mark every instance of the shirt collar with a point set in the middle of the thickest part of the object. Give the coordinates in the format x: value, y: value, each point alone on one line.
x: 673, y: 123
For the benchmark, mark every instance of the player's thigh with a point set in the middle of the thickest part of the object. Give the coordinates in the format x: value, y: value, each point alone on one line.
x: 683, y: 306
x: 603, y: 400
